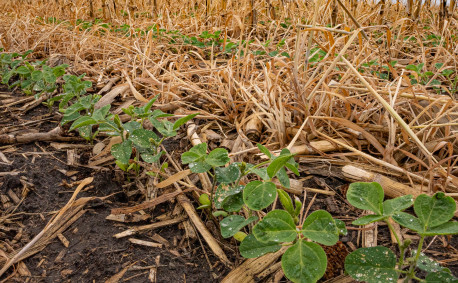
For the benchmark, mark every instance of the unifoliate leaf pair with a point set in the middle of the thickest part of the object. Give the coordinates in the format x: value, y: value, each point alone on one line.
x: 303, y: 261
x: 378, y: 264
x: 369, y: 196
x: 199, y: 161
x: 433, y: 212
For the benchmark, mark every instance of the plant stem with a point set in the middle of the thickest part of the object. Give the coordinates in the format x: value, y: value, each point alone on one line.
x: 411, y: 273
x: 400, y: 244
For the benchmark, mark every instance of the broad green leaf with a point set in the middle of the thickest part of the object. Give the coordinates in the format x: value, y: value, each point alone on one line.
x: 194, y: 154
x: 398, y: 204
x: 441, y: 277
x: 189, y: 157
x: 233, y: 223
x: 372, y: 265
x: 22, y: 70
x: 434, y: 211
x: 448, y: 228
x: 264, y: 150
x: 277, y: 226
x: 227, y: 175
x: 101, y: 113
x: 367, y: 196
x: 69, y: 117
x: 258, y: 195
x: 320, y: 227
x: 427, y: 264
x: 277, y: 164
x: 37, y: 75
x: 233, y: 203
x: 183, y: 120
x: 341, y: 227
x: 252, y: 248
x: 286, y: 202
x: 152, y: 158
x: 131, y: 126
x: 122, y: 151
x: 85, y: 132
x: 304, y: 262
x: 368, y: 219
x: 217, y: 157
x: 408, y: 221
x: 141, y: 138
x: 223, y: 191
x: 82, y: 121
x: 199, y: 167
x: 283, y: 177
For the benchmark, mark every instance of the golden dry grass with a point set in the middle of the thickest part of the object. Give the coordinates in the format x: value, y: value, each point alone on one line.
x: 375, y: 118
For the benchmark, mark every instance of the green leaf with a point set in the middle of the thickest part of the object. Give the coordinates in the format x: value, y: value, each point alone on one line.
x: 227, y: 175
x: 408, y: 220
x: 223, y: 191
x: 82, y: 121
x: 434, y: 211
x: 150, y: 158
x: 367, y: 196
x: 341, y: 227
x: 217, y: 157
x: 233, y: 223
x: 122, y: 151
x: 22, y: 70
x: 85, y: 132
x: 372, y: 265
x: 441, y: 277
x: 101, y: 113
x: 283, y: 178
x: 233, y: 203
x: 252, y: 248
x: 438, y: 65
x: 320, y: 227
x: 304, y: 262
x: 141, y: 138
x: 183, y: 120
x: 131, y: 126
x: 398, y: 204
x: 427, y: 264
x: 277, y: 226
x: 37, y: 76
x: 286, y: 202
x: 264, y: 150
x: 447, y: 72
x: 199, y: 167
x: 368, y: 219
x: 448, y: 228
x: 277, y: 164
x: 261, y: 172
x: 194, y: 154
x: 258, y: 195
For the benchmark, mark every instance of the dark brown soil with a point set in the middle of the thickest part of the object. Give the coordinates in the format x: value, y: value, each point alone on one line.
x: 93, y: 254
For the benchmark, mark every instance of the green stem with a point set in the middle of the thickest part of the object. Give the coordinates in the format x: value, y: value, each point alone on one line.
x: 400, y: 244
x: 411, y: 273
x: 212, y: 188
x: 256, y: 166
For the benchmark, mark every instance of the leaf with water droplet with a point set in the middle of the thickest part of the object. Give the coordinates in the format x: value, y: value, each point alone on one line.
x: 373, y: 265
x: 304, y: 262
x: 251, y: 247
x: 233, y: 223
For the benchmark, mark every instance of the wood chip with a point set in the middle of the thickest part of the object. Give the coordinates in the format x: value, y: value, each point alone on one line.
x: 64, y: 240
x: 145, y: 243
